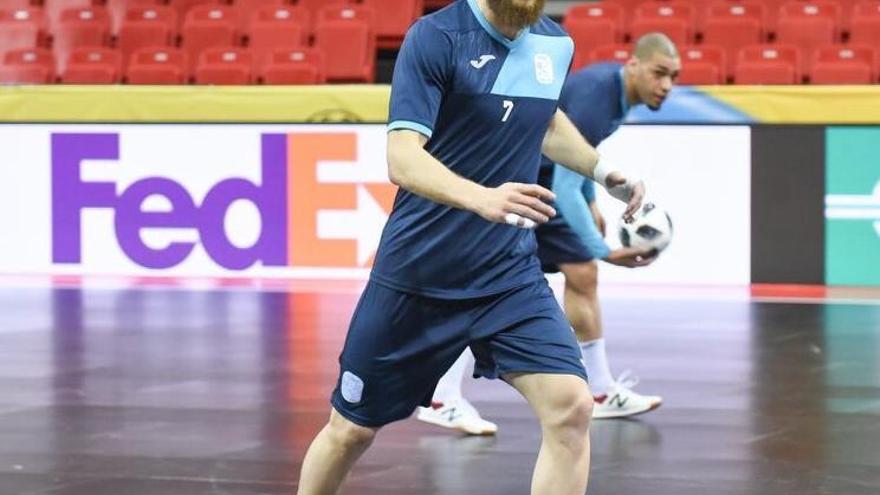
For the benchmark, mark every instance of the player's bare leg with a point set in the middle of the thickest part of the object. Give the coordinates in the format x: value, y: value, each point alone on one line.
x: 614, y: 397
x: 332, y: 454
x: 563, y: 405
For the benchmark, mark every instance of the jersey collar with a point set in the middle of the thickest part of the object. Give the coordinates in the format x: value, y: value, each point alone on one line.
x: 504, y: 40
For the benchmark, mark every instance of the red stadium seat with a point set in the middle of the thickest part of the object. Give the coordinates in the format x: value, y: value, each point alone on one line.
x: 92, y: 66
x: 183, y: 7
x: 15, y: 4
x: 80, y: 27
x: 158, y: 65
x: 344, y: 33
x: 611, y: 53
x: 592, y: 25
x: 732, y: 26
x: 395, y: 19
x: 54, y: 8
x: 843, y: 64
x: 146, y: 27
x: 865, y: 25
x: 208, y: 26
x: 629, y: 10
x: 294, y: 66
x: 702, y: 64
x: 314, y: 6
x: 808, y: 25
x: 247, y: 11
x: 676, y: 28
x: 20, y: 28
x: 27, y: 66
x: 768, y: 64
x: 226, y: 66
x: 668, y: 10
x: 118, y: 8
x: 276, y: 27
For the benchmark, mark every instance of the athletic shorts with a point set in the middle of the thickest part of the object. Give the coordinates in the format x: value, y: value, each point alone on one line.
x: 400, y: 344
x: 558, y: 244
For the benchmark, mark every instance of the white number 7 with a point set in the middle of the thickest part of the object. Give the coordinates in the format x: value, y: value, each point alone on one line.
x: 508, y: 107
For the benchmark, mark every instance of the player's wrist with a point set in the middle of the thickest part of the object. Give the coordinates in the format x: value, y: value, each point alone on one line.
x: 603, y: 169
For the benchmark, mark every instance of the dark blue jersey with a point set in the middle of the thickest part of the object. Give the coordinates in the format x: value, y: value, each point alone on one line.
x: 593, y: 98
x: 485, y: 103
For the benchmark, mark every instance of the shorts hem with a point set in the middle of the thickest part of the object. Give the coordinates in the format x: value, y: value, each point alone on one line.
x: 534, y: 371
x: 360, y: 420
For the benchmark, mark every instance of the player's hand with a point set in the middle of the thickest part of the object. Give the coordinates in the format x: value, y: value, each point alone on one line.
x: 631, y: 257
x: 597, y: 217
x: 631, y: 192
x: 521, y: 205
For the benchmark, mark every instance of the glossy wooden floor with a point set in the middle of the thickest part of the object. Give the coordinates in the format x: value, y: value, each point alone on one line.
x: 173, y: 391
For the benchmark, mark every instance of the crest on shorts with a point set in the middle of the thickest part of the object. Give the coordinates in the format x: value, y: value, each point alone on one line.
x: 352, y: 387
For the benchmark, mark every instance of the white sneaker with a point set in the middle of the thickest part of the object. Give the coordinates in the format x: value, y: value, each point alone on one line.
x: 620, y: 401
x: 458, y: 415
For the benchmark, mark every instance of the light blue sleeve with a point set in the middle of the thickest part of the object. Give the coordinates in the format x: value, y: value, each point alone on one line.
x: 571, y: 201
x: 588, y: 189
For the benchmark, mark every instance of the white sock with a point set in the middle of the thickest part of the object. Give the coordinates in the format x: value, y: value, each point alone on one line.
x: 449, y: 387
x: 596, y: 363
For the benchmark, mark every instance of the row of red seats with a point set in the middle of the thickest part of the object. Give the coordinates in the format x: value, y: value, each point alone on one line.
x: 165, y: 65
x: 343, y: 32
x: 390, y: 27
x: 766, y: 64
x: 697, y: 11
x: 726, y: 23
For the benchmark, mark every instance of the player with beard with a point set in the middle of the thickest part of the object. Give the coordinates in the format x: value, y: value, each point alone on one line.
x: 474, y: 104
x: 596, y: 99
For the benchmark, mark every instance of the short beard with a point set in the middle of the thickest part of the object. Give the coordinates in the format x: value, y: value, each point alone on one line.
x: 515, y: 16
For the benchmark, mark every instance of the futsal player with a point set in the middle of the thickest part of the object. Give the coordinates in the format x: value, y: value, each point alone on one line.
x: 596, y: 99
x: 474, y: 104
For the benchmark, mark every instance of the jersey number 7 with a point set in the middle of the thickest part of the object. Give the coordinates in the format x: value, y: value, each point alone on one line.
x: 508, y: 107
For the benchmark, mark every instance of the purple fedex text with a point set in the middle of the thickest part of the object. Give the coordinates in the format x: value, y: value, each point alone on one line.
x: 71, y: 195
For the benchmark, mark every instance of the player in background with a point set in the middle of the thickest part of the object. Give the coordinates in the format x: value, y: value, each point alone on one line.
x: 596, y: 99
x: 474, y: 105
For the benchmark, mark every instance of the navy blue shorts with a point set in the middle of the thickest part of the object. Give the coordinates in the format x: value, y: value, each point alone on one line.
x: 400, y: 344
x: 558, y: 244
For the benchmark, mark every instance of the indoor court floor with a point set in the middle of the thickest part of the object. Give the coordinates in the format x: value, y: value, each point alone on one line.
x: 173, y: 390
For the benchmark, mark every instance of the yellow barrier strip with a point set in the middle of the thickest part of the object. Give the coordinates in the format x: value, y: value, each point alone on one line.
x: 327, y: 103
x: 803, y: 104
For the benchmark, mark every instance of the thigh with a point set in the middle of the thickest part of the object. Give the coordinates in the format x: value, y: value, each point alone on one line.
x: 582, y: 278
x: 550, y: 396
x: 397, y: 348
x: 525, y: 331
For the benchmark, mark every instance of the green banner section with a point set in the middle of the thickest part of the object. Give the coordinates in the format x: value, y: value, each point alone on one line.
x: 852, y: 206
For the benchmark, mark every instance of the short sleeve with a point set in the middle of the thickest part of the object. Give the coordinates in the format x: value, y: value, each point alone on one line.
x: 421, y: 75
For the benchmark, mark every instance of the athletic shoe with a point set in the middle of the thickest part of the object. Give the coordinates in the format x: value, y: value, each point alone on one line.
x: 621, y: 402
x: 457, y: 415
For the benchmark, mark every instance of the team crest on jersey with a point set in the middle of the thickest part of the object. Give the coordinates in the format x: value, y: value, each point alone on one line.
x: 544, y: 68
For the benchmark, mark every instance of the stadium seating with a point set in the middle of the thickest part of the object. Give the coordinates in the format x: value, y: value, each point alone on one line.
x: 54, y: 8
x: 344, y: 33
x: 21, y: 28
x: 80, y: 27
x: 27, y: 66
x: 808, y: 25
x: 294, y: 66
x: 146, y: 26
x: 395, y: 19
x: 702, y: 64
x: 276, y: 27
x: 92, y: 66
x: 611, y: 53
x: 592, y: 25
x: 768, y: 64
x: 839, y: 64
x: 733, y: 25
x: 224, y: 66
x: 118, y: 9
x: 208, y: 26
x: 864, y: 27
x: 157, y: 65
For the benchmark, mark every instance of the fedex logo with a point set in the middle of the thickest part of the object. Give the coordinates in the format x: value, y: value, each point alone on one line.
x: 305, y: 221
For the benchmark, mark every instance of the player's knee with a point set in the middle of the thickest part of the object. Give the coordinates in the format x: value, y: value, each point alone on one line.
x: 572, y: 413
x: 583, y: 278
x: 348, y: 435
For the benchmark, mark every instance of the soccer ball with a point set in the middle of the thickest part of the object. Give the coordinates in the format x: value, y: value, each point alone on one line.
x: 651, y: 228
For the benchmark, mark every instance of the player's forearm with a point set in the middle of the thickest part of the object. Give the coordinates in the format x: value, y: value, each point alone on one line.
x: 414, y: 169
x: 565, y: 145
x: 573, y: 206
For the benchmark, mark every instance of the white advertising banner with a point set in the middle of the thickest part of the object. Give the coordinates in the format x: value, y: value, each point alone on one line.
x: 303, y: 201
